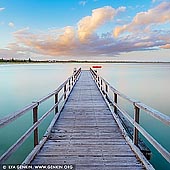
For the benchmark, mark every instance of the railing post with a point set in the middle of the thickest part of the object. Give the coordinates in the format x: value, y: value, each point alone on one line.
x: 95, y: 75
x: 65, y: 95
x: 106, y: 88
x: 98, y: 79
x: 35, y: 119
x: 56, y: 101
x: 72, y: 79
x: 69, y: 84
x: 136, y: 120
x: 115, y: 101
x: 101, y: 83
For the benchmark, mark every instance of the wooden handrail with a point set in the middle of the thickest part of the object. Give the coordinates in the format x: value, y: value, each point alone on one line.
x: 156, y: 114
x: 34, y: 107
x: 137, y: 107
x: 54, y: 92
x: 160, y: 116
x: 10, y: 118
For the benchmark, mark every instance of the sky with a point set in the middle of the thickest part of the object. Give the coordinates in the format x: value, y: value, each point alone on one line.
x: 85, y: 29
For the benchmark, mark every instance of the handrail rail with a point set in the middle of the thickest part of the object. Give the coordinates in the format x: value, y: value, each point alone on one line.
x: 158, y: 115
x: 119, y: 93
x: 137, y: 106
x: 34, y: 107
x: 8, y: 119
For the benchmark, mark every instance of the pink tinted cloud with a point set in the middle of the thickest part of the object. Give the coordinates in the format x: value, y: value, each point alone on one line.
x: 158, y: 15
x: 88, y: 24
x: 46, y: 43
x: 68, y: 43
x: 166, y: 46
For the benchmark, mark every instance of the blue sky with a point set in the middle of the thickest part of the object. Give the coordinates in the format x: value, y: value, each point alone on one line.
x: 85, y: 29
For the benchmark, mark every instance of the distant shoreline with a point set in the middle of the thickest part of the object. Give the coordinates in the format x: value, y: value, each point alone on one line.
x: 2, y: 61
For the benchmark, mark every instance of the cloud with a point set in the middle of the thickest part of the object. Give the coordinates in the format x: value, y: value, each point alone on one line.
x: 50, y: 43
x: 9, y: 53
x: 157, y: 15
x: 66, y: 42
x: 83, y: 40
x: 83, y: 3
x: 166, y: 46
x: 11, y: 24
x: 100, y: 16
x: 1, y: 9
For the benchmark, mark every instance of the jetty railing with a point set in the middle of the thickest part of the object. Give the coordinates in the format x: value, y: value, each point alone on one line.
x: 105, y: 87
x: 66, y: 87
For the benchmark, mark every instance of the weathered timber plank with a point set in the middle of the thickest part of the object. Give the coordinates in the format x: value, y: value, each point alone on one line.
x: 92, y: 160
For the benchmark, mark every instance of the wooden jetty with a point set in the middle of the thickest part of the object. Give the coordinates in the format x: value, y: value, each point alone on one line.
x: 86, y: 130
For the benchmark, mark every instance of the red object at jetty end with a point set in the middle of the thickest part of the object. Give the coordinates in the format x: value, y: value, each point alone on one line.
x: 96, y: 66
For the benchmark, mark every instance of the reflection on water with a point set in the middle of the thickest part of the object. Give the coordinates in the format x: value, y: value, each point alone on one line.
x: 22, y: 84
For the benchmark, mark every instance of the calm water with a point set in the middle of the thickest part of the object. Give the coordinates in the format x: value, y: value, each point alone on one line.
x: 22, y: 84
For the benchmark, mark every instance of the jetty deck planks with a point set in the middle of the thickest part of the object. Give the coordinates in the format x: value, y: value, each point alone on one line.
x: 87, y: 135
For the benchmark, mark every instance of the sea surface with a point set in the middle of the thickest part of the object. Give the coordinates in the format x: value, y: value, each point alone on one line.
x: 22, y: 84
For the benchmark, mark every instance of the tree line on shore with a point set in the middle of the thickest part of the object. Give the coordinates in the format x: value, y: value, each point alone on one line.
x: 13, y: 60
x: 29, y: 60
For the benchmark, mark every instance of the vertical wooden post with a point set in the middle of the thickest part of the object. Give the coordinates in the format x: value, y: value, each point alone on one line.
x: 106, y: 88
x: 95, y: 71
x: 35, y: 119
x: 72, y: 79
x: 115, y: 100
x: 69, y: 84
x: 101, y: 83
x: 65, y: 95
x: 136, y: 119
x: 106, y: 92
x: 74, y: 74
x: 56, y: 101
x: 98, y: 81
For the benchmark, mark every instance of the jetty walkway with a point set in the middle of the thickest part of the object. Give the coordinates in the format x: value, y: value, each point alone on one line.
x: 86, y: 134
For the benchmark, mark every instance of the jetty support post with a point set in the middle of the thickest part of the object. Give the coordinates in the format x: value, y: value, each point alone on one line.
x: 115, y: 101
x: 69, y: 85
x: 35, y: 119
x: 65, y: 91
x: 136, y: 120
x: 72, y: 80
x: 106, y: 91
x: 95, y: 75
x: 101, y: 85
x: 98, y: 79
x: 56, y: 101
x: 74, y: 76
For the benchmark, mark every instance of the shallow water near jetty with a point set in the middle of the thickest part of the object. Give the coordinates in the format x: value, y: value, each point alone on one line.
x: 23, y: 83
